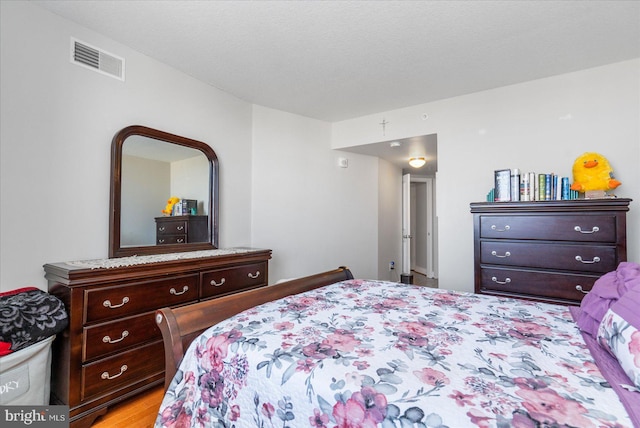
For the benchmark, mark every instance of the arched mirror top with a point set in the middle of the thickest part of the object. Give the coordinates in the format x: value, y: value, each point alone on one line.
x: 148, y: 167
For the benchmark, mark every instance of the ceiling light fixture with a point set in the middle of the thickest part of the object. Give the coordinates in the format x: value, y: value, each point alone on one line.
x: 417, y: 162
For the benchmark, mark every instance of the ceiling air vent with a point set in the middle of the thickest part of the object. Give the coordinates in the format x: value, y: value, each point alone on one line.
x: 97, y: 59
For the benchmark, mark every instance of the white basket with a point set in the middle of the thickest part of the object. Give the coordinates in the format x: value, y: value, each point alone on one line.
x: 25, y: 375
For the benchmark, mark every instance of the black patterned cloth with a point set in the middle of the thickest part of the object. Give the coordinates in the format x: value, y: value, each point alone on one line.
x: 27, y: 316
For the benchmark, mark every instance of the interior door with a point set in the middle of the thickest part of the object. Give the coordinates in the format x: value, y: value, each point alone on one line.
x: 431, y: 244
x: 406, y: 226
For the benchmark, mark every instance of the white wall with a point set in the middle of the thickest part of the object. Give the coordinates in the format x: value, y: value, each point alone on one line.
x: 389, y: 221
x: 540, y: 126
x: 140, y: 201
x: 57, y: 121
x: 313, y: 214
x: 190, y: 180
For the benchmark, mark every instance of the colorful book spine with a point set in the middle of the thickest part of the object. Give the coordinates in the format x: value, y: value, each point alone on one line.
x: 542, y: 186
x: 524, y: 187
x: 547, y: 187
x: 565, y: 188
x: 502, y: 185
x: 515, y: 184
x: 533, y: 187
x: 511, y: 186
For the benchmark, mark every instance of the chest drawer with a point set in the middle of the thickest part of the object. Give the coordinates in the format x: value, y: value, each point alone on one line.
x: 224, y: 281
x: 106, y: 338
x: 536, y: 284
x: 580, y: 258
x: 171, y: 227
x: 585, y: 228
x: 134, y: 298
x: 123, y: 369
x: 171, y: 239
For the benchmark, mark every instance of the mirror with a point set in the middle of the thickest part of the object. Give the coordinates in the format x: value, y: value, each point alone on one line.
x: 147, y: 168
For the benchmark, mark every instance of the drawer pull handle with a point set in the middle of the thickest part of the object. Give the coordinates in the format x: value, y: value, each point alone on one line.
x: 217, y: 284
x: 105, y: 375
x: 580, y: 289
x: 180, y: 227
x: 107, y: 339
x: 506, y: 281
x: 594, y: 229
x: 177, y: 293
x: 506, y: 254
x: 254, y: 275
x: 107, y: 303
x: 160, y: 241
x: 161, y: 228
x: 180, y: 240
x: 494, y: 227
x: 596, y: 259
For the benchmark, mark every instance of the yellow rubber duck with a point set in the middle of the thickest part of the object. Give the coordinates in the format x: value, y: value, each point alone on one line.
x: 591, y: 171
x: 168, y: 209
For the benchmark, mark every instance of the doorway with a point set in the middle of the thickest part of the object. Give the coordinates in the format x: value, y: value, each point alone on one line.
x: 419, y: 237
x: 423, y: 254
x: 397, y: 153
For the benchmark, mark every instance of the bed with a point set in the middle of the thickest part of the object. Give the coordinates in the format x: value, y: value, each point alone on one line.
x: 329, y: 350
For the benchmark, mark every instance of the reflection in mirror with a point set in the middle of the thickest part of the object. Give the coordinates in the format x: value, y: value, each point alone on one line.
x: 153, y: 171
x: 149, y: 167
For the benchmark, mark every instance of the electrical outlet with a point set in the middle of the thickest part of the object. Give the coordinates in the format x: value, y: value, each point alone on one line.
x: 392, y: 265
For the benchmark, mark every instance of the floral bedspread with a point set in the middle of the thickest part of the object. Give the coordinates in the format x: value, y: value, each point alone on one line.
x: 380, y: 354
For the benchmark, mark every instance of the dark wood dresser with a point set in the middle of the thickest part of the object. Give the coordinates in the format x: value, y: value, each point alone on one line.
x: 112, y: 348
x: 182, y: 229
x: 549, y: 251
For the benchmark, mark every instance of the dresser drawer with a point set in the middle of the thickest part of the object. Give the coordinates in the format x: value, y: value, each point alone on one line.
x: 171, y: 239
x: 581, y: 258
x: 583, y: 228
x: 171, y: 227
x: 224, y: 281
x: 104, y: 339
x: 536, y: 284
x: 134, y: 298
x: 121, y: 370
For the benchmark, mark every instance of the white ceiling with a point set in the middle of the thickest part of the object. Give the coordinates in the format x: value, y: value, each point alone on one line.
x: 398, y: 152
x: 336, y: 60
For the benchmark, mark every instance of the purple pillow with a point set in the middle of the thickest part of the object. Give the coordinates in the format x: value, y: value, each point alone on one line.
x: 605, y: 292
x: 627, y: 306
x: 619, y: 333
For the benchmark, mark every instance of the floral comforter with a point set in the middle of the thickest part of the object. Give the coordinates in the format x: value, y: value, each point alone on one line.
x: 380, y: 354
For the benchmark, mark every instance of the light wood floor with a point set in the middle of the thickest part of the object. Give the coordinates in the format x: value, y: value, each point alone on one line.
x: 420, y: 279
x: 139, y: 412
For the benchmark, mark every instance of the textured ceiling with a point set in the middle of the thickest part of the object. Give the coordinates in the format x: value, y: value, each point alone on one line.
x: 335, y: 60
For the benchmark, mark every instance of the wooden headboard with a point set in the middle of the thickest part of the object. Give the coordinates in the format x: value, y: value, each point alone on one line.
x: 181, y: 325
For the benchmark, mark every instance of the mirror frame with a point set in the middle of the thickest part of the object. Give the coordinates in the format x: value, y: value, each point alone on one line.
x: 115, y: 248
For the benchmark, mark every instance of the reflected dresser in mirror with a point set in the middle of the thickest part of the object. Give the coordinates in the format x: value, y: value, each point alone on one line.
x: 181, y: 229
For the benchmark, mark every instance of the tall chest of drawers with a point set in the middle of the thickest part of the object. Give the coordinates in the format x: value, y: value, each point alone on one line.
x: 550, y: 251
x: 112, y: 348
